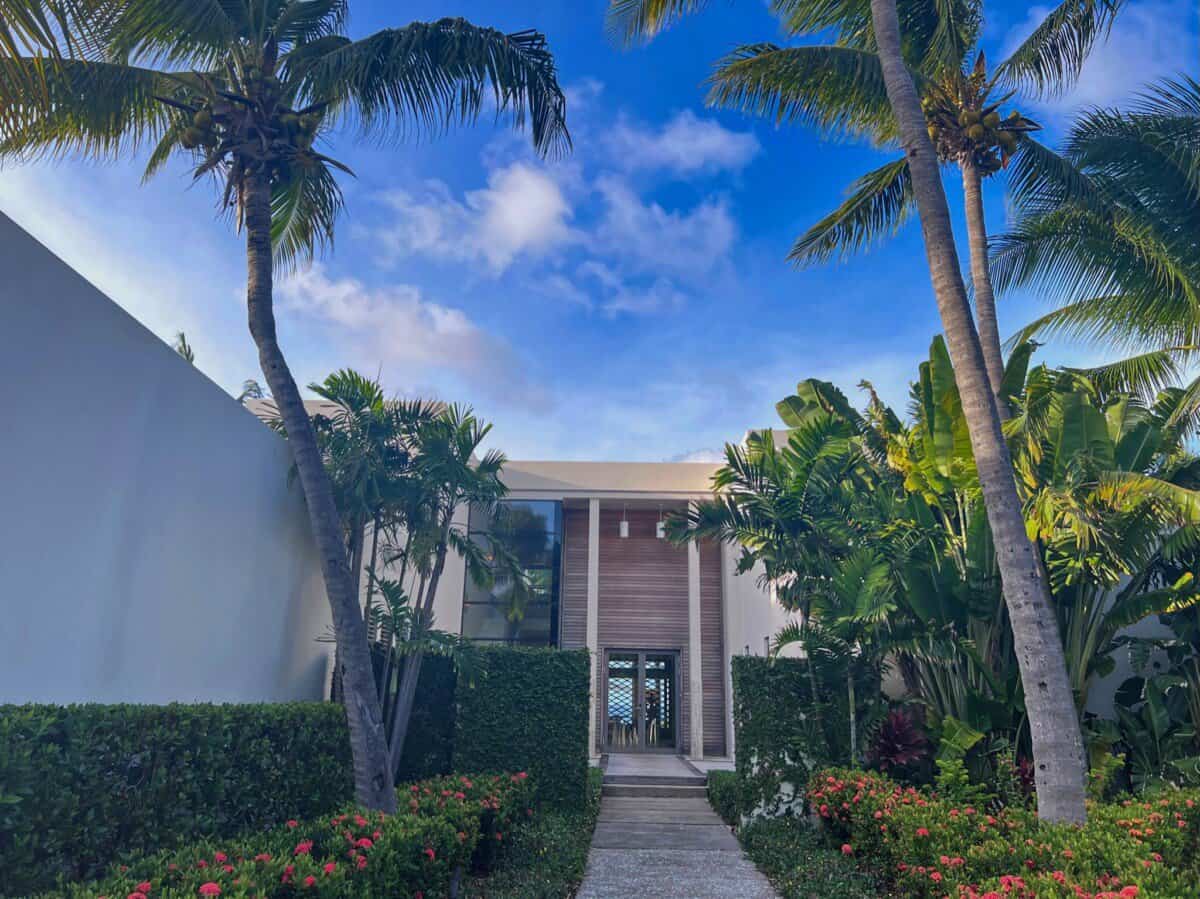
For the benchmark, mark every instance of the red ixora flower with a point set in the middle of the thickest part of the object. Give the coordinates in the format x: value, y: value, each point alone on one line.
x: 293, y: 823
x: 137, y: 895
x: 210, y: 889
x: 429, y: 852
x: 304, y: 847
x: 847, y: 849
x: 922, y: 832
x: 144, y: 887
x: 220, y: 857
x: 330, y: 867
x: 310, y: 881
x: 362, y: 862
x: 364, y: 843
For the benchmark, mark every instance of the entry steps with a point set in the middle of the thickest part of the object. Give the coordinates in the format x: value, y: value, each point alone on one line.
x: 655, y: 786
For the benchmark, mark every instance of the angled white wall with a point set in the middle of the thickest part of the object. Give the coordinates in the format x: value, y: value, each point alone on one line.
x: 150, y: 547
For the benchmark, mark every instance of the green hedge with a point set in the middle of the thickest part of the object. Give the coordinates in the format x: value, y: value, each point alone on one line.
x: 83, y: 785
x: 782, y: 735
x: 527, y: 710
x: 725, y: 795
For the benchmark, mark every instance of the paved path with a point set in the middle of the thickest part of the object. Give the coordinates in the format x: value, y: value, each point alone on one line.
x: 665, y: 846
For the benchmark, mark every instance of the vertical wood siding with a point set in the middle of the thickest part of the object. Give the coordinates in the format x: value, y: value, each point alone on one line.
x: 643, y: 601
x: 573, y: 597
x: 712, y: 649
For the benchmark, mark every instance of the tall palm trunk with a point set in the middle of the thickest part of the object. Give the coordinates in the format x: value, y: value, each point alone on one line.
x: 1054, y: 726
x: 981, y: 281
x: 373, y: 786
x: 853, y: 714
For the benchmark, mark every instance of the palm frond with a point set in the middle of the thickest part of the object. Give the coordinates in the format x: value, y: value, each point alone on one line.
x: 303, y: 212
x: 1144, y: 374
x: 631, y: 21
x: 100, y: 110
x: 1049, y: 61
x: 428, y: 76
x: 196, y: 34
x: 837, y: 89
x: 880, y: 202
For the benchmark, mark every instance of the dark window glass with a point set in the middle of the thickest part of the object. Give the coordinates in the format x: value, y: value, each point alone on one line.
x: 532, y: 531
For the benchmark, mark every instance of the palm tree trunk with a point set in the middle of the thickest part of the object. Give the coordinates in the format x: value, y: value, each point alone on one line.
x: 981, y: 281
x: 406, y: 696
x: 371, y: 570
x: 373, y: 786
x: 1054, y: 725
x: 853, y: 714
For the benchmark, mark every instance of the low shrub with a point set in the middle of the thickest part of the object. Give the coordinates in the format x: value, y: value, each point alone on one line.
x: 83, y: 785
x: 440, y: 828
x: 547, y: 859
x: 932, y: 847
x: 527, y: 709
x: 799, y: 865
x: 726, y: 796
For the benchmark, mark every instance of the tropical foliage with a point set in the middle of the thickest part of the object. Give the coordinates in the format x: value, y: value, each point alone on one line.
x: 871, y: 529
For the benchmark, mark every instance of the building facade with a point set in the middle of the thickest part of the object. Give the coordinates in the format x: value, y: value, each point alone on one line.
x: 661, y: 621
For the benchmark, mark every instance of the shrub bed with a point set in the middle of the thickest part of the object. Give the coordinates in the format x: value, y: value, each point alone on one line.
x: 932, y: 847
x: 547, y: 859
x: 799, y: 865
x: 442, y: 825
x: 527, y: 709
x: 84, y: 784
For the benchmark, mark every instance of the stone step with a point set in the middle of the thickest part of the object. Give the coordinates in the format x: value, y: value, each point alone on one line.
x: 674, y: 791
x: 662, y: 779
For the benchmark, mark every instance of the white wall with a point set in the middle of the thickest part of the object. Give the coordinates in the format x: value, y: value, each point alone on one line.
x: 150, y: 548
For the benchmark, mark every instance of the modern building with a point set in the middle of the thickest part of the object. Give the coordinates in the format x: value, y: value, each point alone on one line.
x: 661, y: 621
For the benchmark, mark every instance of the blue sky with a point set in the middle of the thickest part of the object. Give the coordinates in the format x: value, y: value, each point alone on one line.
x: 630, y: 301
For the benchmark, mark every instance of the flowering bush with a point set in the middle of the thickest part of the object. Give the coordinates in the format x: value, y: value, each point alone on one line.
x: 934, y: 847
x: 440, y: 826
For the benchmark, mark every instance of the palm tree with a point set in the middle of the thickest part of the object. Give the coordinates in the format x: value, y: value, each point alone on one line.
x: 1110, y: 231
x: 842, y: 86
x: 248, y: 92
x: 1057, y: 743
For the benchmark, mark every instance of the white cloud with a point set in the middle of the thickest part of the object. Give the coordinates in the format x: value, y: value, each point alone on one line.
x: 686, y: 145
x: 647, y: 237
x: 395, y: 327
x: 699, y: 455
x: 581, y: 93
x: 1149, y: 40
x: 522, y: 211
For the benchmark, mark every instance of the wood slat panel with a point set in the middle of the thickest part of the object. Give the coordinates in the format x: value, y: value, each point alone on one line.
x: 572, y: 632
x: 712, y: 648
x: 643, y: 600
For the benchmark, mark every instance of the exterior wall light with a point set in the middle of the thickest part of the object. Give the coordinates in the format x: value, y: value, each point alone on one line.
x: 660, y: 529
x: 624, y: 524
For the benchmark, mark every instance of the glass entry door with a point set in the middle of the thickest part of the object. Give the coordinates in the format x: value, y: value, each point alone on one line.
x: 642, y: 701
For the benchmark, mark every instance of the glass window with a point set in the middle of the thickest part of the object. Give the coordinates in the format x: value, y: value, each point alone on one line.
x: 532, y: 531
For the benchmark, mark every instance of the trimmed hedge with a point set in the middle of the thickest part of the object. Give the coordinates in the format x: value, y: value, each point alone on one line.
x: 782, y: 734
x: 92, y: 783
x: 725, y: 795
x: 527, y: 710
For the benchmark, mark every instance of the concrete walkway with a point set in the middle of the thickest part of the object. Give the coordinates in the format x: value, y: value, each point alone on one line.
x: 657, y: 836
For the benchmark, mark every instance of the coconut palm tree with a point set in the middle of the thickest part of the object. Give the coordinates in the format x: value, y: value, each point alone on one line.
x: 1110, y: 231
x: 963, y: 104
x: 251, y: 94
x: 1057, y: 743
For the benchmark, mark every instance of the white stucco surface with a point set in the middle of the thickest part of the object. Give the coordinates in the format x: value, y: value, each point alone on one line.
x: 150, y: 547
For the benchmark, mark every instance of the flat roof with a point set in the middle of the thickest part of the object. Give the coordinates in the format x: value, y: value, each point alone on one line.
x: 530, y: 478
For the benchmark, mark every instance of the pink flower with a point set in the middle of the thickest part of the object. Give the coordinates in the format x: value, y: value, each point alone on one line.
x: 310, y: 881
x: 922, y: 832
x: 847, y: 849
x: 362, y: 862
x: 330, y: 867
x: 304, y: 847
x: 144, y: 887
x: 293, y: 823
x: 429, y: 852
x: 137, y: 895
x: 364, y: 843
x: 220, y: 857
x: 210, y: 889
